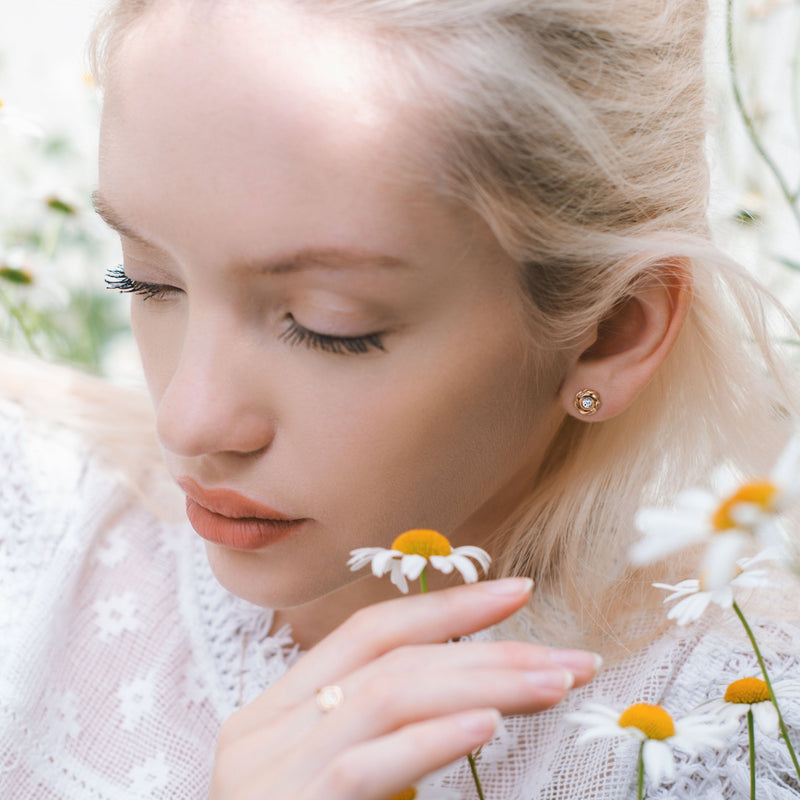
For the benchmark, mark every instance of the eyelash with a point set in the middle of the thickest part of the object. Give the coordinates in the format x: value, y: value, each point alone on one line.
x: 295, y: 334
x: 117, y: 279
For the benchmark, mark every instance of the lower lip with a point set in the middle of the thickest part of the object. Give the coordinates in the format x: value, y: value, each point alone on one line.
x: 249, y: 533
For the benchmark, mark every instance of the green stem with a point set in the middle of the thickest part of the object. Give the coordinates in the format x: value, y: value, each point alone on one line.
x: 640, y: 774
x: 474, y: 770
x: 784, y: 731
x: 789, y: 196
x: 16, y: 315
x: 752, y: 737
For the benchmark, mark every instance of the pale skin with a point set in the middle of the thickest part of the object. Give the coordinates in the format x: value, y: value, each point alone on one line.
x: 251, y: 167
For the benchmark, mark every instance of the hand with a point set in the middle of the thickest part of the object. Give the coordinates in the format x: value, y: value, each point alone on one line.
x: 411, y: 703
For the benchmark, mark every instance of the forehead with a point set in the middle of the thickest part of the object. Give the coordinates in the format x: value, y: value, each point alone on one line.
x: 244, y: 93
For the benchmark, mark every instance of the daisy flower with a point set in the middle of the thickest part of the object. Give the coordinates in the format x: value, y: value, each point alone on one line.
x: 752, y: 694
x: 656, y: 732
x: 694, y: 597
x: 726, y: 519
x: 412, y: 552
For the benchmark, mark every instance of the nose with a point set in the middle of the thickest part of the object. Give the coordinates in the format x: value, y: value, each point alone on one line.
x: 212, y: 400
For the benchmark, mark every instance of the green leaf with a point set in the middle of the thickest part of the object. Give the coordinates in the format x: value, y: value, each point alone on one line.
x: 19, y: 276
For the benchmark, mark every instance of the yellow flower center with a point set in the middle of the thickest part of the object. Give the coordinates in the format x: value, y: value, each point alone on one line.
x: 421, y: 542
x: 1, y: 103
x: 652, y: 721
x: 759, y: 493
x: 747, y: 690
x: 406, y: 794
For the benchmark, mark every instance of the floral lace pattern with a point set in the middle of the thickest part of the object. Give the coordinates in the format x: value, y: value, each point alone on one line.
x: 120, y: 656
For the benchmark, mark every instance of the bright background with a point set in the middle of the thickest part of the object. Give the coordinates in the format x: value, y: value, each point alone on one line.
x: 54, y: 252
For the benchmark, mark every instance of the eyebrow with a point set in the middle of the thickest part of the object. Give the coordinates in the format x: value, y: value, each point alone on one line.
x: 307, y: 258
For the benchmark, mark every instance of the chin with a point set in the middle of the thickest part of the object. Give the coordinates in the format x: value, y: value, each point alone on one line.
x: 270, y: 585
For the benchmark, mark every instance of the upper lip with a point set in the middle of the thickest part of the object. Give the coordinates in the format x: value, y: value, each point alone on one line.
x: 229, y: 503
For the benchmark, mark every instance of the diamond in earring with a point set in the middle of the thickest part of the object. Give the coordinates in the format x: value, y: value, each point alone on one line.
x: 587, y: 402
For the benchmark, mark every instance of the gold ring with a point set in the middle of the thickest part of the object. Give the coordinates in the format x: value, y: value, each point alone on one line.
x: 328, y: 697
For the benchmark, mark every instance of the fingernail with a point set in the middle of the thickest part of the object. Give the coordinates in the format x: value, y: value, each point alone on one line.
x: 481, y: 723
x: 551, y: 679
x: 578, y: 660
x: 508, y: 586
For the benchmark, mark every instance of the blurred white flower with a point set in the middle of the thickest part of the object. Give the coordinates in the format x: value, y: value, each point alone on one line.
x: 726, y: 519
x: 18, y: 123
x: 694, y: 598
x: 412, y: 551
x: 652, y: 726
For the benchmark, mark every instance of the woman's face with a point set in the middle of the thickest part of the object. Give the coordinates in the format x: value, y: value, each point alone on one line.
x: 326, y: 337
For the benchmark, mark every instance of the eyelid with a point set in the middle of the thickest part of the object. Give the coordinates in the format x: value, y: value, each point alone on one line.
x: 116, y: 278
x: 296, y: 334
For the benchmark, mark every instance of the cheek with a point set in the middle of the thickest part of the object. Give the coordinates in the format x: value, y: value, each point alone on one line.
x: 427, y: 446
x: 158, y: 335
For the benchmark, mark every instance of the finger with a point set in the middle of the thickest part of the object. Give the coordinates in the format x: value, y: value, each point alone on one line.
x: 377, y: 709
x: 376, y: 629
x: 466, y: 655
x: 382, y: 767
x: 414, y: 682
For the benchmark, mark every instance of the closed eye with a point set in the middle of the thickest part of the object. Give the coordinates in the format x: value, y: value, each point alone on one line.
x: 117, y: 279
x: 296, y: 334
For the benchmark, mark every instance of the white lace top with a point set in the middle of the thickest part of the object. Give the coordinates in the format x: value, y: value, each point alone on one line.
x: 120, y: 656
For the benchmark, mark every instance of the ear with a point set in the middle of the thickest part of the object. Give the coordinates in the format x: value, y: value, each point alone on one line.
x: 631, y: 343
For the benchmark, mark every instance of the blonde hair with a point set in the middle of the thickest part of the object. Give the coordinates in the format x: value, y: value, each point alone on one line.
x: 576, y: 129
x: 115, y: 422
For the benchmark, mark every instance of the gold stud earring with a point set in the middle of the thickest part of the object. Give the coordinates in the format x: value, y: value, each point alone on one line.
x: 587, y: 402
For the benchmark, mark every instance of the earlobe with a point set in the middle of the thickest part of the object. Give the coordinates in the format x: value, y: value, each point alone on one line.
x: 629, y: 345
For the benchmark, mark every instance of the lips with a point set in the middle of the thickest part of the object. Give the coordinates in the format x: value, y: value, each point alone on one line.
x: 231, y: 520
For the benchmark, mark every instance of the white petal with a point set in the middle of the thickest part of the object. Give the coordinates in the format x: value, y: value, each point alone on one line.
x: 412, y: 565
x: 691, y: 586
x: 600, y: 721
x: 593, y: 713
x: 725, y: 481
x: 746, y: 515
x: 767, y: 554
x: 766, y: 717
x: 476, y: 553
x: 465, y: 567
x: 398, y: 579
x: 653, y: 548
x: 384, y: 561
x: 690, y: 608
x: 719, y: 562
x: 659, y: 543
x: 362, y: 556
x: 609, y: 730
x: 442, y: 563
x: 671, y: 521
x: 697, y: 500
x: 658, y: 761
x: 751, y: 579
x: 723, y: 596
